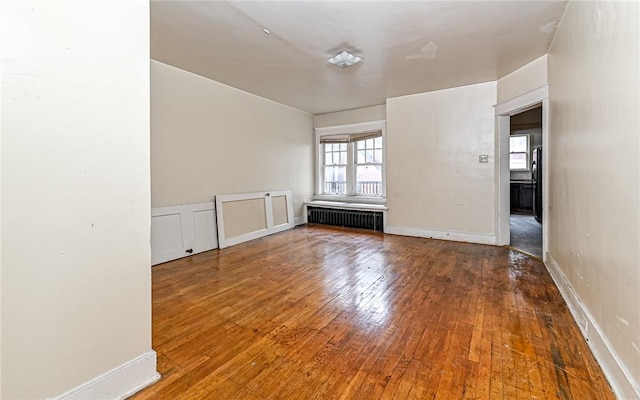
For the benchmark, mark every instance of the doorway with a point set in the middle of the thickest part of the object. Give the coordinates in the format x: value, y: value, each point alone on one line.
x: 537, y: 98
x: 525, y: 163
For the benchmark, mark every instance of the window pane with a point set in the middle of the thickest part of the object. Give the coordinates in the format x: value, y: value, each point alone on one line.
x: 335, y: 180
x: 335, y: 153
x: 518, y: 161
x: 371, y: 156
x: 369, y: 180
x: 361, y: 157
x: 328, y: 160
x: 378, y: 142
x: 378, y: 156
x: 518, y: 144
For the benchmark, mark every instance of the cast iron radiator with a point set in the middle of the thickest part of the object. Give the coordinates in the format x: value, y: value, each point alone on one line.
x: 346, y: 218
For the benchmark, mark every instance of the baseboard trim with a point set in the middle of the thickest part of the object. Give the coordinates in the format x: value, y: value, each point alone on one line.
x: 621, y: 380
x: 299, y: 221
x: 119, y: 383
x: 443, y: 235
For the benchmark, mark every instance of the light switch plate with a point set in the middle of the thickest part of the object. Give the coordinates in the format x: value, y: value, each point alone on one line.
x: 483, y: 158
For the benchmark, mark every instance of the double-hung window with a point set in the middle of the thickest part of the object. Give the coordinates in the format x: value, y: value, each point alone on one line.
x: 351, y: 163
x: 519, y: 152
x: 334, y: 167
x: 368, y: 163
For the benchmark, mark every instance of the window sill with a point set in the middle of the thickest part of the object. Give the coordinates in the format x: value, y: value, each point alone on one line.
x: 350, y: 203
x: 350, y: 199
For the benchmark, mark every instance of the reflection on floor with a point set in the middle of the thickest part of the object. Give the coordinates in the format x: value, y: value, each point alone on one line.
x: 526, y: 234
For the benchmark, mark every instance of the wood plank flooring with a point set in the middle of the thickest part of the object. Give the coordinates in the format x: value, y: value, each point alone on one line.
x: 325, y: 313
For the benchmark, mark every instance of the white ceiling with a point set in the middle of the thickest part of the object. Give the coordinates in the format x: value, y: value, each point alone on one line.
x: 408, y: 47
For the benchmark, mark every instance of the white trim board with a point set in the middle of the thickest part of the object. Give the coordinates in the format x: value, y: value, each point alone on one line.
x: 621, y: 380
x: 480, y: 238
x: 271, y: 228
x: 352, y: 128
x: 522, y: 102
x: 119, y: 383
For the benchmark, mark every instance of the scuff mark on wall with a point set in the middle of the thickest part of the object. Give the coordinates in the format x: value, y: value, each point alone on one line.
x: 549, y: 28
x: 622, y: 320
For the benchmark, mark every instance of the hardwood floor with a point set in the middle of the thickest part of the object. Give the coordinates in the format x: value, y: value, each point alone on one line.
x: 324, y: 313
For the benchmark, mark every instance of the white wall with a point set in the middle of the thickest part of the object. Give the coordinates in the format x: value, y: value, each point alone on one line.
x: 76, y: 281
x: 594, y: 170
x: 208, y: 138
x: 523, y: 80
x: 434, y: 181
x: 355, y: 116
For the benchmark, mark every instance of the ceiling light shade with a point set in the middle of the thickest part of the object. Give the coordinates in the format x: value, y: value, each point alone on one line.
x: 344, y: 59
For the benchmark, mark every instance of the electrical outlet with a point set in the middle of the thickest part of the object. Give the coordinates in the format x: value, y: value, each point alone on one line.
x: 483, y: 158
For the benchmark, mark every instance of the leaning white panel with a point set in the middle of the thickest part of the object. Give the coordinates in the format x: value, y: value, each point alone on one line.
x: 180, y: 231
x: 167, y: 234
x: 247, y: 216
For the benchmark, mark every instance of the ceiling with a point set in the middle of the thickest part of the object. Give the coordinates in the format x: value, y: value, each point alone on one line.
x: 408, y: 47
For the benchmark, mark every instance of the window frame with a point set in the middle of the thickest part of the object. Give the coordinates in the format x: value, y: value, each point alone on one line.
x: 350, y: 195
x: 527, y: 153
x: 356, y: 164
x: 323, y: 165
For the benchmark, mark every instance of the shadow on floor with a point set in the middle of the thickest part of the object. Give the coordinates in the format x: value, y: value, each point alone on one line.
x: 526, y: 234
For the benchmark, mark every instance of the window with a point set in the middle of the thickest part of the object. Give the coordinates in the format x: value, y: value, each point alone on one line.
x: 368, y: 165
x: 335, y: 167
x: 350, y: 164
x: 519, y: 152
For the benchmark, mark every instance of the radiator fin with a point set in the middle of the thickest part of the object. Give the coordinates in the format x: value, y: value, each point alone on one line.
x: 346, y: 218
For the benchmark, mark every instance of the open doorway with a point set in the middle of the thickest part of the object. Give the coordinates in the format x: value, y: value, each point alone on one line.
x: 525, y: 181
x: 504, y: 111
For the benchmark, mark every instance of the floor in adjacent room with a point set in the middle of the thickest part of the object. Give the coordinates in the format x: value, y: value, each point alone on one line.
x: 526, y: 234
x: 326, y: 313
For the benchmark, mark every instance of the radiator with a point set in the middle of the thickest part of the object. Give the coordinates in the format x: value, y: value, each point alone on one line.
x: 346, y: 218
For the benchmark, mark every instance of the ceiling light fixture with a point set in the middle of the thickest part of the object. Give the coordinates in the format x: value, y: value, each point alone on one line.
x: 344, y: 59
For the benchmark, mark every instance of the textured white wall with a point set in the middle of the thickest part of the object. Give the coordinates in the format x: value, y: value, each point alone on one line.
x: 208, y: 138
x: 523, y: 80
x: 434, y: 180
x: 594, y: 144
x: 76, y: 278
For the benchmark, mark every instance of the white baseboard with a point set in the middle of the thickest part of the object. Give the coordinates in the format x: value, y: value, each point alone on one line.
x: 444, y: 235
x: 119, y: 383
x: 621, y: 380
x: 300, y: 220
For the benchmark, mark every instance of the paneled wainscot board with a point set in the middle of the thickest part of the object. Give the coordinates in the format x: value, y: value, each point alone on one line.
x: 247, y: 216
x: 183, y: 230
